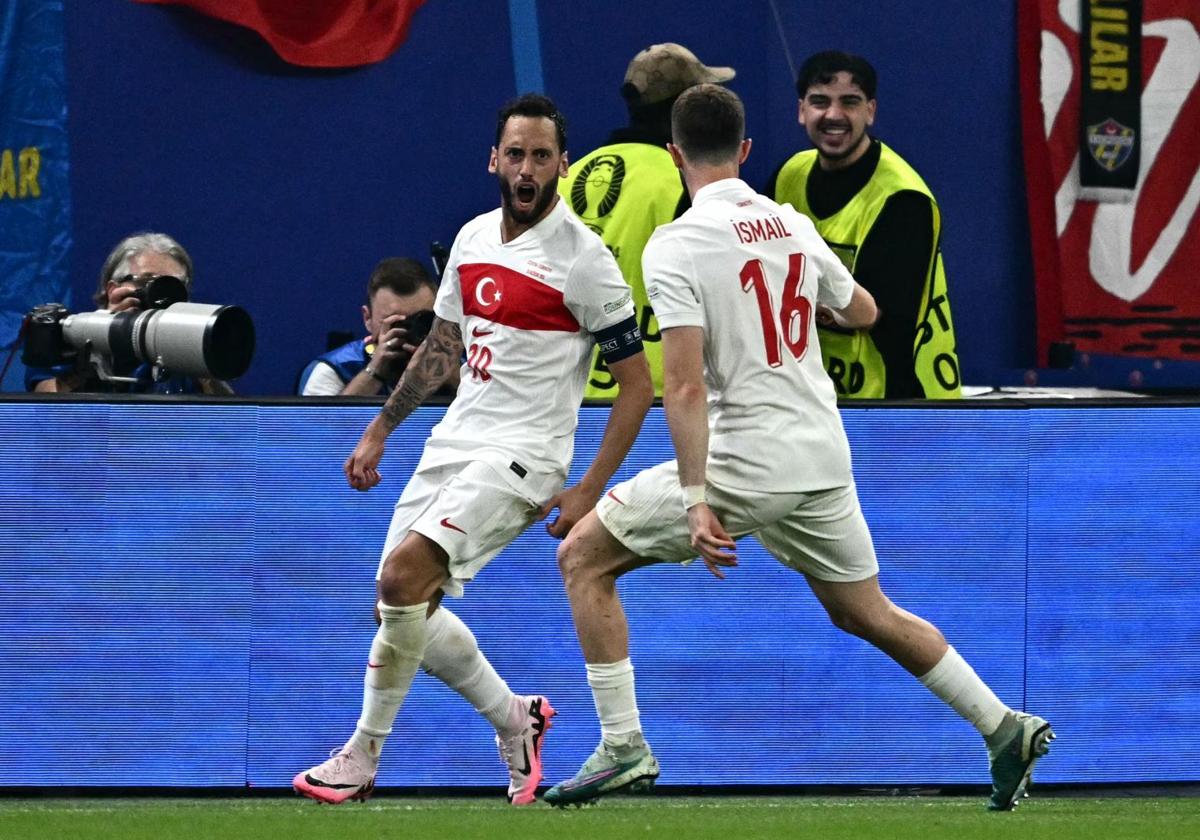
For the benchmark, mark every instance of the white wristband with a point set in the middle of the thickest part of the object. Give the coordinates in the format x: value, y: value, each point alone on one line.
x: 693, y: 494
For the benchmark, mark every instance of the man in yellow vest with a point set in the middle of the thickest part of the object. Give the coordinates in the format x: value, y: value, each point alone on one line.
x: 881, y: 219
x: 628, y: 187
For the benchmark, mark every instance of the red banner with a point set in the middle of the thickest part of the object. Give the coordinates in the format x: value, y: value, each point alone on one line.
x: 317, y: 33
x: 1118, y: 279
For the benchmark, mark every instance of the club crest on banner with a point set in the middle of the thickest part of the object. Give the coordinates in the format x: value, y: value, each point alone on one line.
x: 1110, y: 143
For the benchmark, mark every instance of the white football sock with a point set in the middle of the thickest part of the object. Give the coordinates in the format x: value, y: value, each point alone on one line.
x: 394, y: 659
x: 956, y: 683
x: 453, y: 656
x: 616, y: 702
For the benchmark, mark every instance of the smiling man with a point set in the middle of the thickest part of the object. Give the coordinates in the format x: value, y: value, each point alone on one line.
x: 882, y: 221
x: 528, y: 291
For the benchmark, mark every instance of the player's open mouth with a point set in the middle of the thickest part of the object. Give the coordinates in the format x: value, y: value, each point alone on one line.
x: 526, y: 193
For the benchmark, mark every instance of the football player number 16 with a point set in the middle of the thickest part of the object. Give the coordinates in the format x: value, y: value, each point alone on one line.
x: 795, y: 311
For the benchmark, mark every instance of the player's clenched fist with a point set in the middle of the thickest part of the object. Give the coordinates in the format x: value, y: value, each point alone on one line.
x: 362, y: 467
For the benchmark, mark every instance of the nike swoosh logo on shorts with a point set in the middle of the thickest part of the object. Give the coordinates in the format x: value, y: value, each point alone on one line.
x: 373, y: 665
x: 477, y: 333
x: 613, y: 496
x: 446, y: 523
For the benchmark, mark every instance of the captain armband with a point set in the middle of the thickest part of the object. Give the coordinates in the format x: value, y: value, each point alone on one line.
x: 620, y: 341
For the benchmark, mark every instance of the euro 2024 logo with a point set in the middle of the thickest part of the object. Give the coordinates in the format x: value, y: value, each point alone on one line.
x: 596, y: 188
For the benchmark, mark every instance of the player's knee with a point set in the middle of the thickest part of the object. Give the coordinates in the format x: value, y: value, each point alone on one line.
x: 413, y: 573
x: 841, y: 619
x: 400, y: 586
x: 392, y: 587
x: 568, y: 560
x: 578, y: 562
x: 856, y: 622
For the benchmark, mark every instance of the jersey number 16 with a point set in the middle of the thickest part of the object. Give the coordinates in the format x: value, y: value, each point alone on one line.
x: 795, y: 313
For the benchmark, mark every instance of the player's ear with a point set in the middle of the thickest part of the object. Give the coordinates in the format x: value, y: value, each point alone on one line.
x: 871, y: 111
x: 744, y: 151
x: 564, y: 165
x: 493, y: 161
x: 676, y: 155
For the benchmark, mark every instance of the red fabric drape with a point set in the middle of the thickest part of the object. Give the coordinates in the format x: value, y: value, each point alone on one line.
x: 1116, y: 279
x: 317, y: 33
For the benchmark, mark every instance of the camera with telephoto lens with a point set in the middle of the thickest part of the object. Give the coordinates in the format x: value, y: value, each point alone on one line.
x: 172, y: 335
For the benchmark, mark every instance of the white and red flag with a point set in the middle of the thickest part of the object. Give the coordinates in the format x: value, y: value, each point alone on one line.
x: 1117, y: 276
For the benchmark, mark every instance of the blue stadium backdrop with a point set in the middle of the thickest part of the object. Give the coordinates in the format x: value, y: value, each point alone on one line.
x: 186, y: 589
x: 35, y: 218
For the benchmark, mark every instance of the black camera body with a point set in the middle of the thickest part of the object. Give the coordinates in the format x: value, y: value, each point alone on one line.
x: 417, y: 325
x: 158, y: 291
x: 44, y: 342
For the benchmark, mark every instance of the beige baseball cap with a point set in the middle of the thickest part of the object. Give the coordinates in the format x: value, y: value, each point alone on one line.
x: 664, y: 71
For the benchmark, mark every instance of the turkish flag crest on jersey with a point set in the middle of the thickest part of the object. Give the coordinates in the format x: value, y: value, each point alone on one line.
x: 1114, y: 278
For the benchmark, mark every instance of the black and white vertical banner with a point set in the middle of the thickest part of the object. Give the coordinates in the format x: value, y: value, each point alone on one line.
x: 1110, y: 46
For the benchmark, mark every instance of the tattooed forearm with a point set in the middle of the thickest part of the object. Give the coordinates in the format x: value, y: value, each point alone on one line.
x: 437, y: 356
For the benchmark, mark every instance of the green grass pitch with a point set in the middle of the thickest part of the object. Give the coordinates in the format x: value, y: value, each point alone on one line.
x: 676, y: 817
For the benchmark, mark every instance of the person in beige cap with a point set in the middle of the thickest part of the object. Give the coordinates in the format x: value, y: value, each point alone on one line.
x: 629, y: 186
x: 663, y: 71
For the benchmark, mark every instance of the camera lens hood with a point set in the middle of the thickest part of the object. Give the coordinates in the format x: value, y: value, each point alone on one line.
x: 199, y: 339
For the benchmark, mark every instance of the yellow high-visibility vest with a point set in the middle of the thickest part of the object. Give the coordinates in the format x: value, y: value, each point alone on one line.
x: 623, y: 192
x: 852, y: 359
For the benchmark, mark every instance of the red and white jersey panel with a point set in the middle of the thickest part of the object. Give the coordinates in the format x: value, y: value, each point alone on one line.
x: 527, y: 310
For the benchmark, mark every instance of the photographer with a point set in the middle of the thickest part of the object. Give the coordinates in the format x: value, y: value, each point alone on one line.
x: 397, y: 315
x: 131, y: 265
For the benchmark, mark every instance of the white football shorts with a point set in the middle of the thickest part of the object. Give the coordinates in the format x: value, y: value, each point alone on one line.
x: 820, y: 533
x: 466, y: 508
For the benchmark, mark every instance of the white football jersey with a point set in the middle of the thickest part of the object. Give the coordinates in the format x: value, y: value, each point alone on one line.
x: 527, y: 310
x: 750, y: 272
